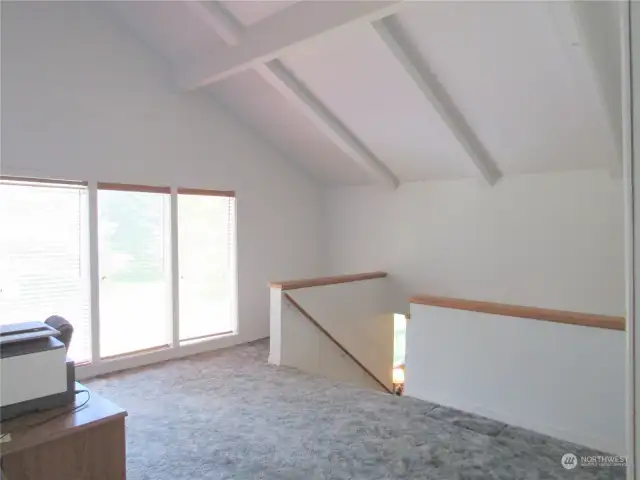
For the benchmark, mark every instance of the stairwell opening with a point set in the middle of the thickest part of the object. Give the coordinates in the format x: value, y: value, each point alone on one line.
x: 399, y: 349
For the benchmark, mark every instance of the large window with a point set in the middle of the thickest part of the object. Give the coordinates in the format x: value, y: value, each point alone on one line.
x: 206, y: 226
x: 44, y: 261
x: 133, y: 268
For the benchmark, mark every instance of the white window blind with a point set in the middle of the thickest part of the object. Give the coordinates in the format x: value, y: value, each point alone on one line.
x: 44, y: 268
x: 206, y: 263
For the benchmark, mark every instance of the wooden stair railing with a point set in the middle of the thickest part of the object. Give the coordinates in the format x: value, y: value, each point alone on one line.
x: 320, y: 281
x: 336, y: 342
x: 534, y: 313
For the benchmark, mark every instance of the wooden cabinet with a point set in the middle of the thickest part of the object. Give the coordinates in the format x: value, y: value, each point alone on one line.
x: 86, y: 445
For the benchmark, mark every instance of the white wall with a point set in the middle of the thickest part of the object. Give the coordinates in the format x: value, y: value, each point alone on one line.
x: 82, y: 99
x: 566, y: 381
x: 358, y: 315
x: 552, y: 241
x: 309, y: 350
x: 632, y: 171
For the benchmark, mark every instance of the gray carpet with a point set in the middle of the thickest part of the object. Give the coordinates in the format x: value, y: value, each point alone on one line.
x: 229, y: 414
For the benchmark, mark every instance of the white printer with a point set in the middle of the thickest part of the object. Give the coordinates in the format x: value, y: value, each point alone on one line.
x: 35, y: 373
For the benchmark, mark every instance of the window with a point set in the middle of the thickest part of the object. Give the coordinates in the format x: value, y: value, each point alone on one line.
x: 399, y: 339
x: 64, y: 245
x: 206, y: 262
x: 44, y: 267
x: 134, y: 270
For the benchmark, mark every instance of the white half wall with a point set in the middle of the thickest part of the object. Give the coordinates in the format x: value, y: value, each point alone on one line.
x: 565, y: 381
x: 553, y: 241
x: 83, y: 99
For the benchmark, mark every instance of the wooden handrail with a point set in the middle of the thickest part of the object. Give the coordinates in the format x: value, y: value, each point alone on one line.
x: 557, y: 316
x: 336, y: 342
x: 316, y: 282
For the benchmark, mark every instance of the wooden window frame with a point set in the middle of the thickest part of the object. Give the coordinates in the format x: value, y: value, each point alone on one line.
x: 33, y: 180
x: 204, y: 192
x: 126, y: 187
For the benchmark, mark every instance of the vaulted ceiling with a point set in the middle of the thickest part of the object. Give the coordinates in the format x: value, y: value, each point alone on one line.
x: 364, y: 92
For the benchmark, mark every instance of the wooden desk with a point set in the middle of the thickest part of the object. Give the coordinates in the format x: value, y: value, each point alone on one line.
x: 86, y: 445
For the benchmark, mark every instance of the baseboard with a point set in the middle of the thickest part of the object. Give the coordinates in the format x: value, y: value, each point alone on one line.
x: 608, y: 445
x: 104, y: 367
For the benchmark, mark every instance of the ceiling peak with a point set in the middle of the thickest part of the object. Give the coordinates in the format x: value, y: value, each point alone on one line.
x: 218, y: 19
x: 268, y: 39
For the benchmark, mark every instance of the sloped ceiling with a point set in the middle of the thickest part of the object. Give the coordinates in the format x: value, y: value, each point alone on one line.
x: 388, y: 92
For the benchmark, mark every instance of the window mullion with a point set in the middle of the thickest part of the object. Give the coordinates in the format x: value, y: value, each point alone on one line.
x: 94, y: 273
x: 174, y: 269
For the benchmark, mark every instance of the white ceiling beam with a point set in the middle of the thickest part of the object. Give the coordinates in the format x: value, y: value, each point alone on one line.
x: 269, y: 38
x: 391, y: 33
x: 576, y: 40
x: 218, y: 19
x: 279, y: 77
x: 276, y: 74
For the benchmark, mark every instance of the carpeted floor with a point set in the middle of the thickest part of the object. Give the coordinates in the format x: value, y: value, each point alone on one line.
x: 229, y: 414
